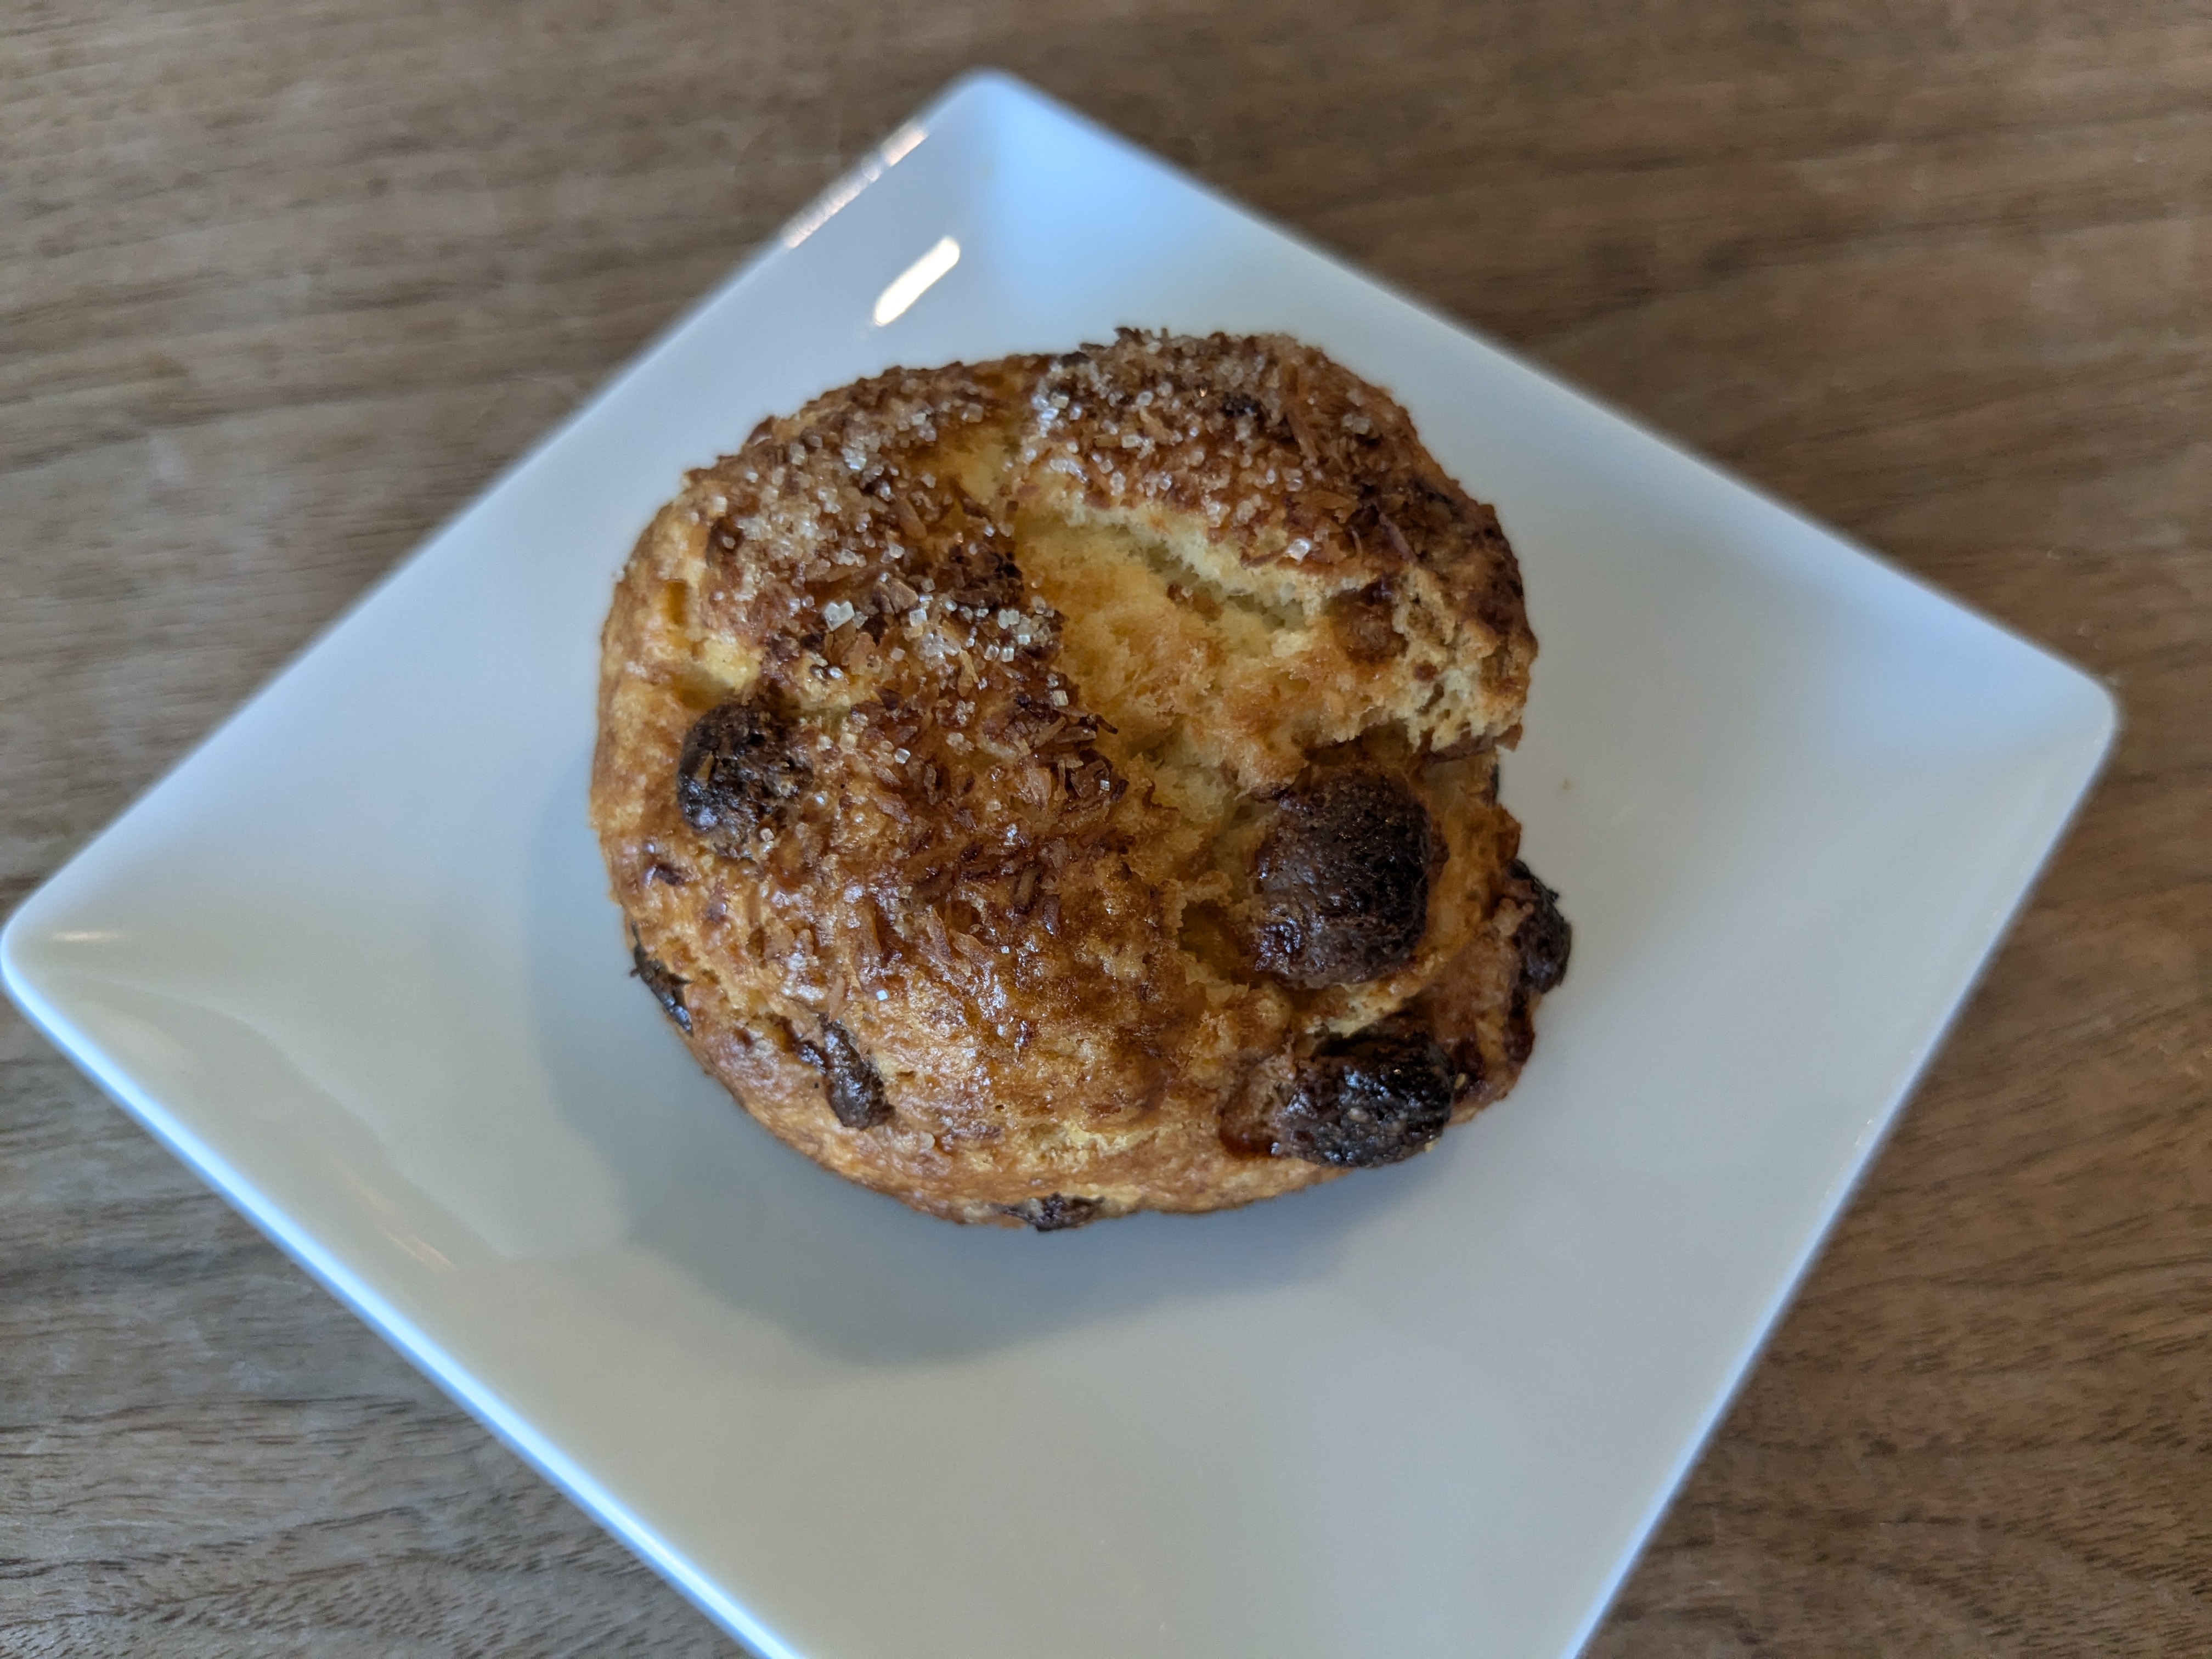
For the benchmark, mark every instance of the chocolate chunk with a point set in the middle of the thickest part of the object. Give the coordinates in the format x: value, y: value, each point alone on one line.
x: 1546, y: 938
x: 1343, y: 880
x: 854, y: 1087
x: 667, y: 987
x: 1055, y: 1213
x: 737, y: 774
x: 1372, y: 1098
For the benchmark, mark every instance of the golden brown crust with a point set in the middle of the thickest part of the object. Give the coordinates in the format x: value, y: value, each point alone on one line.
x: 1020, y: 665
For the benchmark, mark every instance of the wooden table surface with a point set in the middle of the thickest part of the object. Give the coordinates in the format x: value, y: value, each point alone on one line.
x: 282, y: 285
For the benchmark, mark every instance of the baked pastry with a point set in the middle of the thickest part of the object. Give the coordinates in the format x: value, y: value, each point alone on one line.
x: 1049, y: 788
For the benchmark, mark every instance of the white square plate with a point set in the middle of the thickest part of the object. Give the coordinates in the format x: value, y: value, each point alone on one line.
x: 354, y: 961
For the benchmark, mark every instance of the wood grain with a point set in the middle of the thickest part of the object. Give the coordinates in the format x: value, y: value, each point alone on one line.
x: 283, y: 285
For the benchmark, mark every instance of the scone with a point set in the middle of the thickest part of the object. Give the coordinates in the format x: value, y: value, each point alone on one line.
x: 1049, y: 788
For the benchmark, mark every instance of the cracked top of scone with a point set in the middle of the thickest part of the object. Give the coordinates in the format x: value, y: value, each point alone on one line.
x: 1054, y: 787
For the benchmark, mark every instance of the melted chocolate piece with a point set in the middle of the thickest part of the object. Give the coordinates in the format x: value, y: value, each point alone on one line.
x: 1546, y: 938
x: 1055, y: 1213
x: 737, y: 774
x: 667, y: 987
x: 1343, y: 880
x: 1375, y: 1097
x: 854, y: 1087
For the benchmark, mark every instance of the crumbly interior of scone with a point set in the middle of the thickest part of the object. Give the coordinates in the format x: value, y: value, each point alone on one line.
x: 974, y: 746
